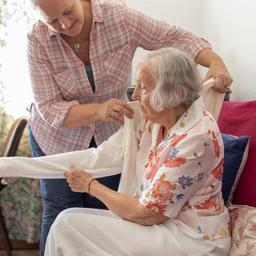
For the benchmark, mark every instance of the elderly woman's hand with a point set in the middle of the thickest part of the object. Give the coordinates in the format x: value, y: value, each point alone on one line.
x: 219, y: 72
x: 78, y: 179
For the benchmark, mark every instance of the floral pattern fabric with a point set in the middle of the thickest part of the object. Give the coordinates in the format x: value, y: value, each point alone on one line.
x: 20, y: 202
x: 183, y: 173
x: 22, y: 209
x: 243, y: 225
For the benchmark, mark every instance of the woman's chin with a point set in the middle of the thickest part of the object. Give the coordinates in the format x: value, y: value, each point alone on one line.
x: 147, y: 116
x: 74, y: 31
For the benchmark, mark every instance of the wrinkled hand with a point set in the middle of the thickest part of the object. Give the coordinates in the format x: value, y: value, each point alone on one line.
x: 114, y: 110
x: 219, y: 72
x: 78, y: 179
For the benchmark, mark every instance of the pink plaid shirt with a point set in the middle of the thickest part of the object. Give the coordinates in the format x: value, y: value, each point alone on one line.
x: 59, y: 79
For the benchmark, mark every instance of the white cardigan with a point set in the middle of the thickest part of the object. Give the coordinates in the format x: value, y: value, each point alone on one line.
x: 114, y: 156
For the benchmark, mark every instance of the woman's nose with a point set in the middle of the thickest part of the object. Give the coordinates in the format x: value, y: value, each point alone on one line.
x: 65, y: 23
x: 136, y: 94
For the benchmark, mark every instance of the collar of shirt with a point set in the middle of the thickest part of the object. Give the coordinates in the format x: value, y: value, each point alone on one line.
x: 192, y: 116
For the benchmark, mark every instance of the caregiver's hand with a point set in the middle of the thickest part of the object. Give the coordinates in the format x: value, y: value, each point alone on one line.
x: 219, y: 72
x: 114, y: 110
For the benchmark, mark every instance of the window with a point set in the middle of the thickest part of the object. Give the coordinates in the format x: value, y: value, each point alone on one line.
x: 16, y: 18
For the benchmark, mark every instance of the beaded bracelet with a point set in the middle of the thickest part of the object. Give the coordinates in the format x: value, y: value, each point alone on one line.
x: 89, y: 185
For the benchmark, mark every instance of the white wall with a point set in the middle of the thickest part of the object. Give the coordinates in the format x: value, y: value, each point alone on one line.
x: 183, y: 13
x: 230, y: 26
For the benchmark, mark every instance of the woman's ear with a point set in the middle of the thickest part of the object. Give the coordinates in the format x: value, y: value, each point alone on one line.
x: 178, y: 89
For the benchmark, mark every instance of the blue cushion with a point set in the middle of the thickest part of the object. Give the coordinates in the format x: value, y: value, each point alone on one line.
x: 235, y: 156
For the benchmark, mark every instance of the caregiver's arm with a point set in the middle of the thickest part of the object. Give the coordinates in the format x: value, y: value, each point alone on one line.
x: 217, y: 69
x: 102, y: 161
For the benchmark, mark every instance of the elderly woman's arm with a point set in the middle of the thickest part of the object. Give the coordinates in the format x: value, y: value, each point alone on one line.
x: 176, y: 180
x: 126, y: 207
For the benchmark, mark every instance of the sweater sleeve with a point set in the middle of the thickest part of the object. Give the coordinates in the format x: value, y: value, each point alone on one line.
x: 103, y: 161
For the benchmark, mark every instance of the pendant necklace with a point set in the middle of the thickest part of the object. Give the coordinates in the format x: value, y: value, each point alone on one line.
x: 76, y: 47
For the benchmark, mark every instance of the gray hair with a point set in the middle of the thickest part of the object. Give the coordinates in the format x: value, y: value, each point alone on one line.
x: 176, y: 76
x: 33, y: 3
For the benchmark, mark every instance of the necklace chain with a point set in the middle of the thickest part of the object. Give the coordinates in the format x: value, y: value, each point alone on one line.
x: 76, y: 47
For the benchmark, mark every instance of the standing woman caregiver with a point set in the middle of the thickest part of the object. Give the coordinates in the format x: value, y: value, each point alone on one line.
x: 80, y: 54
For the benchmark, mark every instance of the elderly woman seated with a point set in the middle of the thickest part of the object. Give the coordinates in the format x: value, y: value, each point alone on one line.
x: 169, y: 201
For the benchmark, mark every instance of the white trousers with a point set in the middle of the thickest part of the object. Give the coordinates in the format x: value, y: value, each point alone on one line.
x: 91, y: 232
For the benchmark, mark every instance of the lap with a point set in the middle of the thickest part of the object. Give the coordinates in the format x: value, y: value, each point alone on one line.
x: 102, y: 233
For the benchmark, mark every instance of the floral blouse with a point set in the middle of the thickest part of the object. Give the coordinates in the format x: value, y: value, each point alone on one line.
x: 182, y: 174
